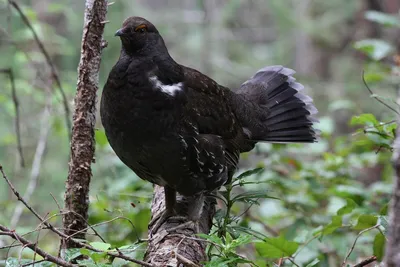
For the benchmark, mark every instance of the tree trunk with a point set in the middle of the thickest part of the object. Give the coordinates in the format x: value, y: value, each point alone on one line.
x: 392, y: 255
x: 84, y: 118
x: 171, y: 248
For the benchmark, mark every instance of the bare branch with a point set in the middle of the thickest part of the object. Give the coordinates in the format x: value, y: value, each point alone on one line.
x: 61, y: 234
x: 48, y: 257
x: 10, y: 74
x: 49, y: 61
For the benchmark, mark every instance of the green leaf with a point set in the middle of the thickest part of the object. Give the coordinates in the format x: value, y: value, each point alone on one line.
x: 364, y: 119
x: 85, y: 251
x: 384, y: 209
x: 335, y: 224
x: 383, y: 18
x: 213, y: 238
x: 241, y: 240
x: 100, y: 245
x: 250, y: 172
x: 379, y: 246
x: 71, y: 254
x: 252, y: 196
x: 313, y: 263
x: 276, y: 247
x: 349, y: 207
x: 373, y: 77
x: 365, y: 221
x: 97, y: 257
x: 374, y: 48
x: 249, y: 231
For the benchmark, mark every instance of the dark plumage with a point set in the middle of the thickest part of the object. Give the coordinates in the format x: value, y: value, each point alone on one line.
x: 176, y: 127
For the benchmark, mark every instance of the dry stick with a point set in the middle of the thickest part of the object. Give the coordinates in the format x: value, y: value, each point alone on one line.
x: 366, y: 261
x: 49, y: 61
x: 61, y: 234
x: 355, y: 241
x: 34, y: 247
x: 17, y: 113
x: 45, y: 126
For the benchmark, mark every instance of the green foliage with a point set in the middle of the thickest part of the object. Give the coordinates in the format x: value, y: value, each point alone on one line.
x: 379, y: 246
x: 374, y: 48
x: 276, y: 247
x: 383, y: 18
x: 365, y: 221
x: 306, y: 203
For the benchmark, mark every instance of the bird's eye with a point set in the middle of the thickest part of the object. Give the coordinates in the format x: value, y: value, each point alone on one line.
x: 141, y: 28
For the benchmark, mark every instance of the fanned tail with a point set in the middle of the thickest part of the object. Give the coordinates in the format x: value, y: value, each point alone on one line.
x: 282, y: 113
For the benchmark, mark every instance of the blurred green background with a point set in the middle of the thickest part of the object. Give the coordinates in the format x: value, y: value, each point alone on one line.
x: 328, y: 43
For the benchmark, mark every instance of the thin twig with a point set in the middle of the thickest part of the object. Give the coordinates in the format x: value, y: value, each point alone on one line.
x: 32, y: 263
x: 34, y: 247
x: 49, y: 61
x: 63, y: 235
x: 355, y: 241
x: 305, y: 244
x: 366, y: 261
x: 55, y: 200
x: 377, y: 99
x: 14, y: 97
x: 89, y: 226
x: 45, y: 126
x: 102, y: 223
x: 10, y: 246
x: 373, y: 127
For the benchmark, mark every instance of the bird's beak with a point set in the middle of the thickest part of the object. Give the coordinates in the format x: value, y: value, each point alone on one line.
x: 120, y: 32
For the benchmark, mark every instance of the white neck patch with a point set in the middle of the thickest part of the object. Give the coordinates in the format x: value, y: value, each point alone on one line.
x: 168, y: 89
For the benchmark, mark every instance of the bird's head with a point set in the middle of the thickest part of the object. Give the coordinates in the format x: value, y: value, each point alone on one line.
x: 139, y: 36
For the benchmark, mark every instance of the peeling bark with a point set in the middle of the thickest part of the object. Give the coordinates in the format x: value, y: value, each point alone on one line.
x: 84, y: 118
x: 178, y: 248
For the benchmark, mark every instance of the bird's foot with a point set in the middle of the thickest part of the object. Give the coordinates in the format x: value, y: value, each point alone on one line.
x: 161, y: 218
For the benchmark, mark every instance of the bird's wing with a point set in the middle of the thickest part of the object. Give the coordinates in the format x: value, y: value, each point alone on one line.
x: 209, y: 113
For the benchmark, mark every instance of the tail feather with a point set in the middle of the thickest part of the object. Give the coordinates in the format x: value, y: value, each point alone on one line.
x: 286, y: 114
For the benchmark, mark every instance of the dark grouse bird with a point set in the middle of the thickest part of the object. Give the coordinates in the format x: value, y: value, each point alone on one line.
x: 176, y: 127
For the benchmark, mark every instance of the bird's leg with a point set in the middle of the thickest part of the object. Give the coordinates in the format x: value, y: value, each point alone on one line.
x: 170, y: 202
x: 194, y: 211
